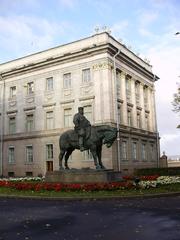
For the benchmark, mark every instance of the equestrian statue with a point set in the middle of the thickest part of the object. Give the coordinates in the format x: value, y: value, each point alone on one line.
x: 85, y: 137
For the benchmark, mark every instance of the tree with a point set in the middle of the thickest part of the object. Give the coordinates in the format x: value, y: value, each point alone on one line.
x: 176, y: 102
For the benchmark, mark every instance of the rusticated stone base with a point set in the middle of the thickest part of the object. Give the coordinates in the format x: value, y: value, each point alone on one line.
x: 83, y: 176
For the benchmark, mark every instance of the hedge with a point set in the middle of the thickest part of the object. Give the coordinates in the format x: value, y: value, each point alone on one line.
x: 172, y: 171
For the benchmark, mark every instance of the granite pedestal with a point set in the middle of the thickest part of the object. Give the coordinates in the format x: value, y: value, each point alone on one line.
x: 83, y: 176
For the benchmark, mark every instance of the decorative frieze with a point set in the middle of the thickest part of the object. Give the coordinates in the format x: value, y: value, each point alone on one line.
x: 102, y: 65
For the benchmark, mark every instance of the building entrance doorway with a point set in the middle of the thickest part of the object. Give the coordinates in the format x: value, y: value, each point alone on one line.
x: 49, y: 166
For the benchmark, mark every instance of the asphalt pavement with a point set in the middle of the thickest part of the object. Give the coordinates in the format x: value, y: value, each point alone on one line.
x: 112, y: 219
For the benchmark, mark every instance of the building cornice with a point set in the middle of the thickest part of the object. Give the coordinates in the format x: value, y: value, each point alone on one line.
x: 112, y: 50
x: 91, y: 50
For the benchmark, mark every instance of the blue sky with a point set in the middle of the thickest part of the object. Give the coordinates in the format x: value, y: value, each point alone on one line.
x: 148, y: 26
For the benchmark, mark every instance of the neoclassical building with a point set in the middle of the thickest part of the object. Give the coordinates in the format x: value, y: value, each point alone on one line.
x: 41, y: 92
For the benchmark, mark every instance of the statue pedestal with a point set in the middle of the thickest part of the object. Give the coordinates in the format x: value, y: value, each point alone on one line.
x: 83, y: 176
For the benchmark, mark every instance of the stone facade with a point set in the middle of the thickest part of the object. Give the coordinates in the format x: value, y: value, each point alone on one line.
x: 41, y: 92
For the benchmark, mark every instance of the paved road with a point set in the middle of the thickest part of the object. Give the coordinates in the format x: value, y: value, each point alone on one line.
x: 132, y: 219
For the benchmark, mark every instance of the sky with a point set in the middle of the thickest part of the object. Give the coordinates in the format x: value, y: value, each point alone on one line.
x: 147, y: 26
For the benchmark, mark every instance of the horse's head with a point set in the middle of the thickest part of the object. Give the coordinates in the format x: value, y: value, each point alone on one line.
x: 110, y: 136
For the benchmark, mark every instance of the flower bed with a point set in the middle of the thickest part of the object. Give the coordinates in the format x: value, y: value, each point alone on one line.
x: 65, y: 187
x: 129, y: 182
x: 162, y: 180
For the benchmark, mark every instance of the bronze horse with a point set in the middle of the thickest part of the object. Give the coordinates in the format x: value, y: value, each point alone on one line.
x: 99, y: 135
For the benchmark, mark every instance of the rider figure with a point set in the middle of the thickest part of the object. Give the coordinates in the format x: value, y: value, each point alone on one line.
x: 81, y: 126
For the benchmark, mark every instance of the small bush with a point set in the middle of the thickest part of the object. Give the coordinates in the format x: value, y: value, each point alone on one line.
x: 173, y: 171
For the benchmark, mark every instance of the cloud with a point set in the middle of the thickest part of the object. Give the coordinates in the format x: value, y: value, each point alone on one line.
x: 11, y: 6
x: 119, y: 27
x: 170, y: 143
x: 163, y: 49
x: 68, y: 3
x: 22, y: 35
x: 167, y: 138
x: 147, y: 17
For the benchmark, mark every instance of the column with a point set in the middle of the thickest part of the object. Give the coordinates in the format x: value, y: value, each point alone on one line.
x: 133, y: 101
x: 153, y: 111
x: 123, y: 97
x: 142, y: 105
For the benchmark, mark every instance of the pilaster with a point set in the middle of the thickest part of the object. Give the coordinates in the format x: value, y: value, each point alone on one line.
x: 123, y: 96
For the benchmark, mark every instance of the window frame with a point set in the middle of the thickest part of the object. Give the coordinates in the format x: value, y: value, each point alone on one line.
x: 49, y: 121
x: 49, y: 84
x: 10, y: 155
x: 86, y: 78
x: 30, y: 121
x: 67, y: 80
x: 30, y: 88
x: 11, y: 93
x: 51, y: 151
x: 28, y: 160
x: 68, y: 117
x: 12, y: 125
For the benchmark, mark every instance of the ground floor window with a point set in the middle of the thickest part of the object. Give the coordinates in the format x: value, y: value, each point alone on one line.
x: 49, y: 166
x: 87, y: 155
x: 124, y: 150
x: 11, y: 174
x: 29, y: 174
x: 11, y: 155
x: 143, y: 152
x: 29, y: 154
x: 49, y: 151
x: 134, y: 151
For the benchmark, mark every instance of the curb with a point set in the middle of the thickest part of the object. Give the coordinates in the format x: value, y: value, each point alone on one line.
x: 89, y: 198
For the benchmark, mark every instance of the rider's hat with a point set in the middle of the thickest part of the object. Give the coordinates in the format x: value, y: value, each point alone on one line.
x: 80, y: 108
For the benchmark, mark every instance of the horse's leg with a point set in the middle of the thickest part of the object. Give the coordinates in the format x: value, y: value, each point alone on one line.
x: 99, y: 151
x: 68, y: 153
x: 94, y: 154
x: 61, y: 155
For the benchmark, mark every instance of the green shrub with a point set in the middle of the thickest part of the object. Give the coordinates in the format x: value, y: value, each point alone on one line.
x: 173, y: 171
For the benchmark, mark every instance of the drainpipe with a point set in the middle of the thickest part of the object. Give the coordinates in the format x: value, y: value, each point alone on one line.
x: 157, y: 134
x: 2, y: 123
x: 116, y: 111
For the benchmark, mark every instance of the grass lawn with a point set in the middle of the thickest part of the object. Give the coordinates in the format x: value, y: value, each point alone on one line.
x: 94, y: 194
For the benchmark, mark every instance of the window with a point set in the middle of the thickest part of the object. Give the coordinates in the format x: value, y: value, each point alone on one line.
x: 124, y: 150
x: 49, y: 84
x: 29, y: 174
x: 13, y: 92
x: 86, y: 75
x: 11, y: 157
x: 87, y: 155
x: 128, y: 89
x: 152, y: 151
x: 134, y: 151
x: 11, y: 174
x: 49, y: 151
x: 29, y: 122
x: 138, y: 120
x: 137, y: 92
x: 49, y: 120
x: 30, y: 88
x: 68, y: 117
x: 67, y: 80
x: 129, y: 118
x: 12, y: 125
x: 29, y: 154
x: 88, y: 112
x: 143, y: 152
x: 145, y: 96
